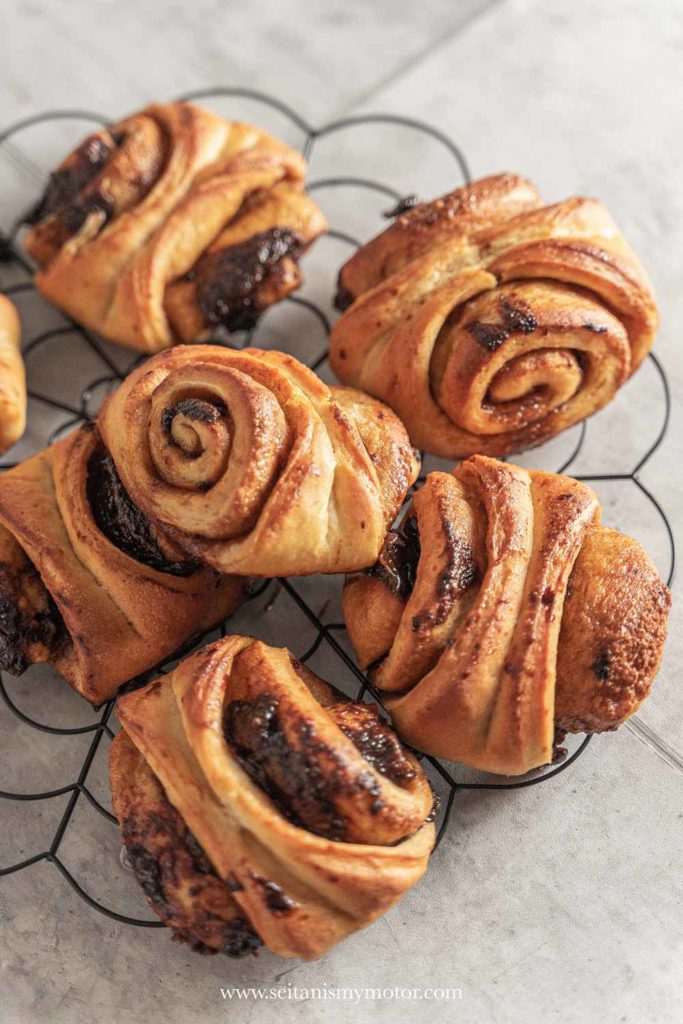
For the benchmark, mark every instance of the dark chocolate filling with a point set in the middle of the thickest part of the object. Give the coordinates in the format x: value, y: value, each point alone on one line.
x: 64, y: 185
x: 197, y: 409
x: 80, y: 209
x: 229, y: 281
x: 291, y: 777
x: 376, y: 741
x: 148, y: 872
x: 397, y: 564
x: 461, y: 571
x: 240, y: 939
x: 302, y: 779
x: 121, y: 521
x: 516, y: 318
x: 276, y: 899
x: 19, y: 630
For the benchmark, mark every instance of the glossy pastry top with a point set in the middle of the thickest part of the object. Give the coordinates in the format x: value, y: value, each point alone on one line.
x: 12, y: 377
x: 253, y: 465
x: 87, y: 581
x: 490, y: 321
x: 500, y: 611
x: 304, y: 804
x: 170, y: 223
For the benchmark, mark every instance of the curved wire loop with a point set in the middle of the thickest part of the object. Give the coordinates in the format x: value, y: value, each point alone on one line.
x: 326, y: 633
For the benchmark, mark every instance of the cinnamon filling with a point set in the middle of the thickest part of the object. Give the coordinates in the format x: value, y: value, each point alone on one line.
x: 299, y: 772
x: 291, y: 776
x: 237, y: 937
x: 515, y: 318
x: 398, y: 560
x: 196, y: 410
x: 235, y: 284
x: 377, y: 741
x: 66, y: 183
x: 31, y: 628
x: 122, y: 522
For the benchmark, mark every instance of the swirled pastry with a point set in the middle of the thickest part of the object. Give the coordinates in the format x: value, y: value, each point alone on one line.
x: 258, y: 805
x: 12, y: 377
x: 86, y: 581
x: 501, y: 611
x: 253, y: 465
x: 489, y: 321
x: 170, y: 223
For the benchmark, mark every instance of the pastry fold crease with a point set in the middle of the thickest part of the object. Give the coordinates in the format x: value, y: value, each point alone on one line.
x: 490, y: 321
x: 311, y: 815
x: 71, y: 595
x: 254, y: 465
x: 170, y: 223
x: 502, y: 611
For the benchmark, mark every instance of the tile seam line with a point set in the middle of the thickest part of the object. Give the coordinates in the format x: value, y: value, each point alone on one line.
x: 650, y: 738
x: 413, y: 62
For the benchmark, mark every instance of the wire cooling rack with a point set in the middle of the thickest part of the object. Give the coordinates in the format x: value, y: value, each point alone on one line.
x: 331, y: 633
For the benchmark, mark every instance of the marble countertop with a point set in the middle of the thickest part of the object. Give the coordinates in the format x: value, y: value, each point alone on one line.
x: 560, y: 902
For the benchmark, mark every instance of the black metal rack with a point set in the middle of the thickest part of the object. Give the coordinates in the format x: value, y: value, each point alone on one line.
x: 326, y: 633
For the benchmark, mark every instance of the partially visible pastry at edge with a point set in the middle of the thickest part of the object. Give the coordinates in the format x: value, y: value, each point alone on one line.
x: 86, y: 581
x: 490, y: 321
x: 501, y: 611
x: 12, y: 377
x: 260, y: 806
x: 170, y: 223
x: 255, y: 466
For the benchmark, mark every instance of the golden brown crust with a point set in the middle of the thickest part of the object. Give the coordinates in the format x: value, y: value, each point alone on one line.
x: 122, y: 616
x: 12, y: 377
x: 483, y: 204
x: 144, y: 226
x: 614, y: 627
x: 304, y: 803
x: 490, y: 322
x: 175, y: 875
x: 254, y: 465
x: 522, y: 615
x: 31, y: 630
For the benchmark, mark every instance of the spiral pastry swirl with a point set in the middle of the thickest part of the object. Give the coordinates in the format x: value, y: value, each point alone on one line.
x: 86, y: 581
x: 490, y: 322
x: 12, y: 377
x: 170, y: 223
x: 253, y: 465
x: 501, y: 611
x: 259, y: 805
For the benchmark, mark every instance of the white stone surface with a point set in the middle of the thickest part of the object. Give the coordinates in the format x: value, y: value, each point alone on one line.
x: 561, y: 902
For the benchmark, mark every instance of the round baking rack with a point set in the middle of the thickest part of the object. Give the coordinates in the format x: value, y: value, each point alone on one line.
x: 325, y: 633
